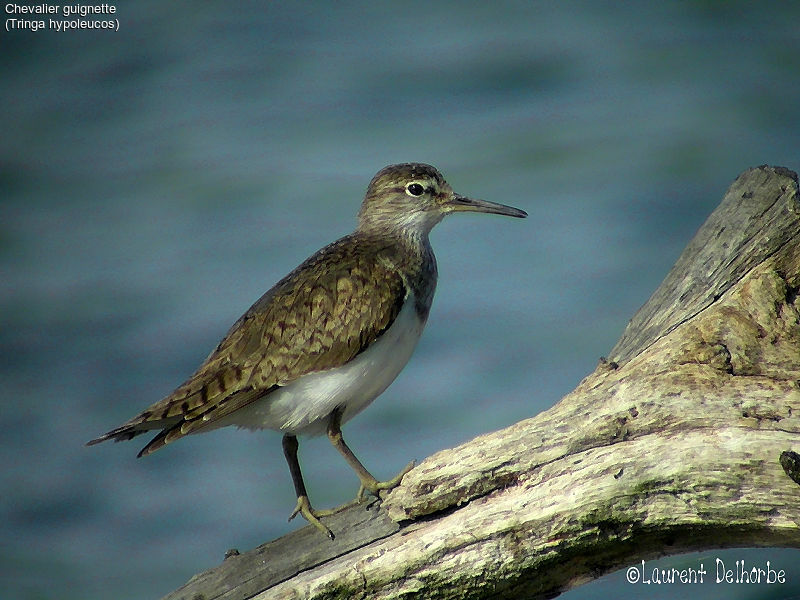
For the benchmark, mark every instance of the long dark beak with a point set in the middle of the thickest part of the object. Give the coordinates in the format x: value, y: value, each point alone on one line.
x: 460, y: 203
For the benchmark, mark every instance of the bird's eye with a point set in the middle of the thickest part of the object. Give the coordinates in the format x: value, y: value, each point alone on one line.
x: 415, y: 189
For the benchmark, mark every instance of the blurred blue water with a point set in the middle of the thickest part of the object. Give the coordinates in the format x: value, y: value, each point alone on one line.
x: 155, y: 181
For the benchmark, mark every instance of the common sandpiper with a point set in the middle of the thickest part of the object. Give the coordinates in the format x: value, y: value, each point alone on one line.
x: 328, y: 338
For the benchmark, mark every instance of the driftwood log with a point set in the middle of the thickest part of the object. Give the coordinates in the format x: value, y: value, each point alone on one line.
x: 686, y: 438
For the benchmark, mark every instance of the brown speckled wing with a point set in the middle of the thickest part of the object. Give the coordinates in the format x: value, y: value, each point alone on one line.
x: 318, y: 317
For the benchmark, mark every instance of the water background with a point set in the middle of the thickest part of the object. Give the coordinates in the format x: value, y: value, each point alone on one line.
x: 157, y: 180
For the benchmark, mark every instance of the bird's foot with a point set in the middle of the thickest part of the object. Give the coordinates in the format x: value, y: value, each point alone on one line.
x: 374, y: 487
x: 311, y: 515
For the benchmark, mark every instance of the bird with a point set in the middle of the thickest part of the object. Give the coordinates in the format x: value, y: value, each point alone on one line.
x: 327, y: 339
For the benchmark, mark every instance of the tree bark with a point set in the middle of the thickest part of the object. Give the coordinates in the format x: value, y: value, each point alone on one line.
x: 687, y: 438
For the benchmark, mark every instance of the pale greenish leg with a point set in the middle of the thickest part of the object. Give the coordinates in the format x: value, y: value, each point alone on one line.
x: 303, y: 507
x: 368, y: 482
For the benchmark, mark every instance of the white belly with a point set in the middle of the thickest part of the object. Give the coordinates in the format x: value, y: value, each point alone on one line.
x: 302, y: 406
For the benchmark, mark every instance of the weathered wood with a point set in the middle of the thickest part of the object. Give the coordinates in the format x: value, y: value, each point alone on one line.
x: 244, y: 575
x: 757, y: 217
x: 689, y: 439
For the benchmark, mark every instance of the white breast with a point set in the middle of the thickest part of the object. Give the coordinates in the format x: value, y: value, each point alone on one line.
x: 303, y: 405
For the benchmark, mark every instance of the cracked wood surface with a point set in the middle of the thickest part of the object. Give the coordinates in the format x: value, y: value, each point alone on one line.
x: 687, y: 439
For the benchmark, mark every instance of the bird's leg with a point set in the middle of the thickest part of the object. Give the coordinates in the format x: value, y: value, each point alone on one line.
x: 368, y: 482
x: 303, y: 505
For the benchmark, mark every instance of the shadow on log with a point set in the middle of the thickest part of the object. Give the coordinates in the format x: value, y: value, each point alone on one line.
x: 687, y: 438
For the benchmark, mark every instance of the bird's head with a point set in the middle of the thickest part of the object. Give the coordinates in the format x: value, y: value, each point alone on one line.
x: 414, y: 197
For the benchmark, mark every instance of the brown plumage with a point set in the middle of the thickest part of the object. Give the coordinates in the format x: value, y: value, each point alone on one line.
x: 318, y: 317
